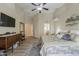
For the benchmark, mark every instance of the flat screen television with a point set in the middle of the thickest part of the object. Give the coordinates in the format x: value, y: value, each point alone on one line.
x: 6, y: 21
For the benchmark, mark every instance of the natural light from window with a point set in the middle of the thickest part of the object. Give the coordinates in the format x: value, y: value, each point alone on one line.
x: 46, y: 28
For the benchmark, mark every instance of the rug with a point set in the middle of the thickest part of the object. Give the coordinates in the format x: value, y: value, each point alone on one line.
x: 35, y: 51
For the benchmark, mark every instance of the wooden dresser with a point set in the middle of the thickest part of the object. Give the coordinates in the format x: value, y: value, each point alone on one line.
x: 7, y: 41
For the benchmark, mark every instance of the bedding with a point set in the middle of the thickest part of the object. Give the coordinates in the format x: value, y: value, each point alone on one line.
x: 59, y: 48
x: 62, y: 50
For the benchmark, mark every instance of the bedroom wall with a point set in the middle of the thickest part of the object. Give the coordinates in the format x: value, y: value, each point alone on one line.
x: 20, y: 16
x: 13, y: 11
x: 35, y: 25
x: 66, y: 11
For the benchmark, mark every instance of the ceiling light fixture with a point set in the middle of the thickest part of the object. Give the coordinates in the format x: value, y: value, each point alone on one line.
x: 39, y: 8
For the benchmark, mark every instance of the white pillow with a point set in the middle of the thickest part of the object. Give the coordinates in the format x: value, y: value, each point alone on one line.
x: 73, y: 36
x: 77, y: 38
x: 59, y: 36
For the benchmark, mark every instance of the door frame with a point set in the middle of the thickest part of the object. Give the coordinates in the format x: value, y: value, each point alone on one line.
x: 22, y: 26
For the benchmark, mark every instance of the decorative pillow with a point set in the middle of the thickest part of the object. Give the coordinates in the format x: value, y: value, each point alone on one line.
x: 59, y: 35
x: 66, y: 37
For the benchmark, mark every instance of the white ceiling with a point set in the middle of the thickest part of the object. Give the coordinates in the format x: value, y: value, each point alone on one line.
x: 28, y: 7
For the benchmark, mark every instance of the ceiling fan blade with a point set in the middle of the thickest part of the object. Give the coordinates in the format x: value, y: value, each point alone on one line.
x: 39, y: 4
x: 33, y: 9
x: 45, y: 8
x: 39, y: 11
x: 34, y: 4
x: 44, y: 4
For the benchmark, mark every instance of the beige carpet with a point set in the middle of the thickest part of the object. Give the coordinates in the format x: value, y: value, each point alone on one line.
x: 28, y: 48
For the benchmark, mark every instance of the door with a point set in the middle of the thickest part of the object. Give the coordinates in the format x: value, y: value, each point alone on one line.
x: 29, y: 29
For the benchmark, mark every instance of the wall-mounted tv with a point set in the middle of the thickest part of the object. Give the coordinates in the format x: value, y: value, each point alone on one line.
x: 6, y: 21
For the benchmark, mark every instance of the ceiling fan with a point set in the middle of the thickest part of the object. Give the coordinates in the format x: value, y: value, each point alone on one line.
x: 39, y: 7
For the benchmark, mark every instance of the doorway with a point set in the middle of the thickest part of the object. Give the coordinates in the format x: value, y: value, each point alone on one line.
x: 29, y: 29
x: 22, y: 30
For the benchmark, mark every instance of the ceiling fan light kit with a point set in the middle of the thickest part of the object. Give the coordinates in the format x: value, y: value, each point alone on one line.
x: 39, y: 7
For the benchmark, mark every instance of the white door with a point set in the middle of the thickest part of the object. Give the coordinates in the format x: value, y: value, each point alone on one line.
x: 29, y: 29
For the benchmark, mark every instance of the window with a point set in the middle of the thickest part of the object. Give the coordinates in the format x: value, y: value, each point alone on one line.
x: 46, y: 28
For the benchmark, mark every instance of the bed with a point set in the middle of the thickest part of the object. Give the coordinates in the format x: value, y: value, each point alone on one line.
x: 59, y: 47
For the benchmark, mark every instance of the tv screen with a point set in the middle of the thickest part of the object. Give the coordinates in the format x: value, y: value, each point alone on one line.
x: 6, y: 20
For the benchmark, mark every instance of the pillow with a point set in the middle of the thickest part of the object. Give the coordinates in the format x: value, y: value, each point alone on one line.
x: 76, y: 38
x: 59, y: 35
x: 66, y: 37
x: 73, y: 36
